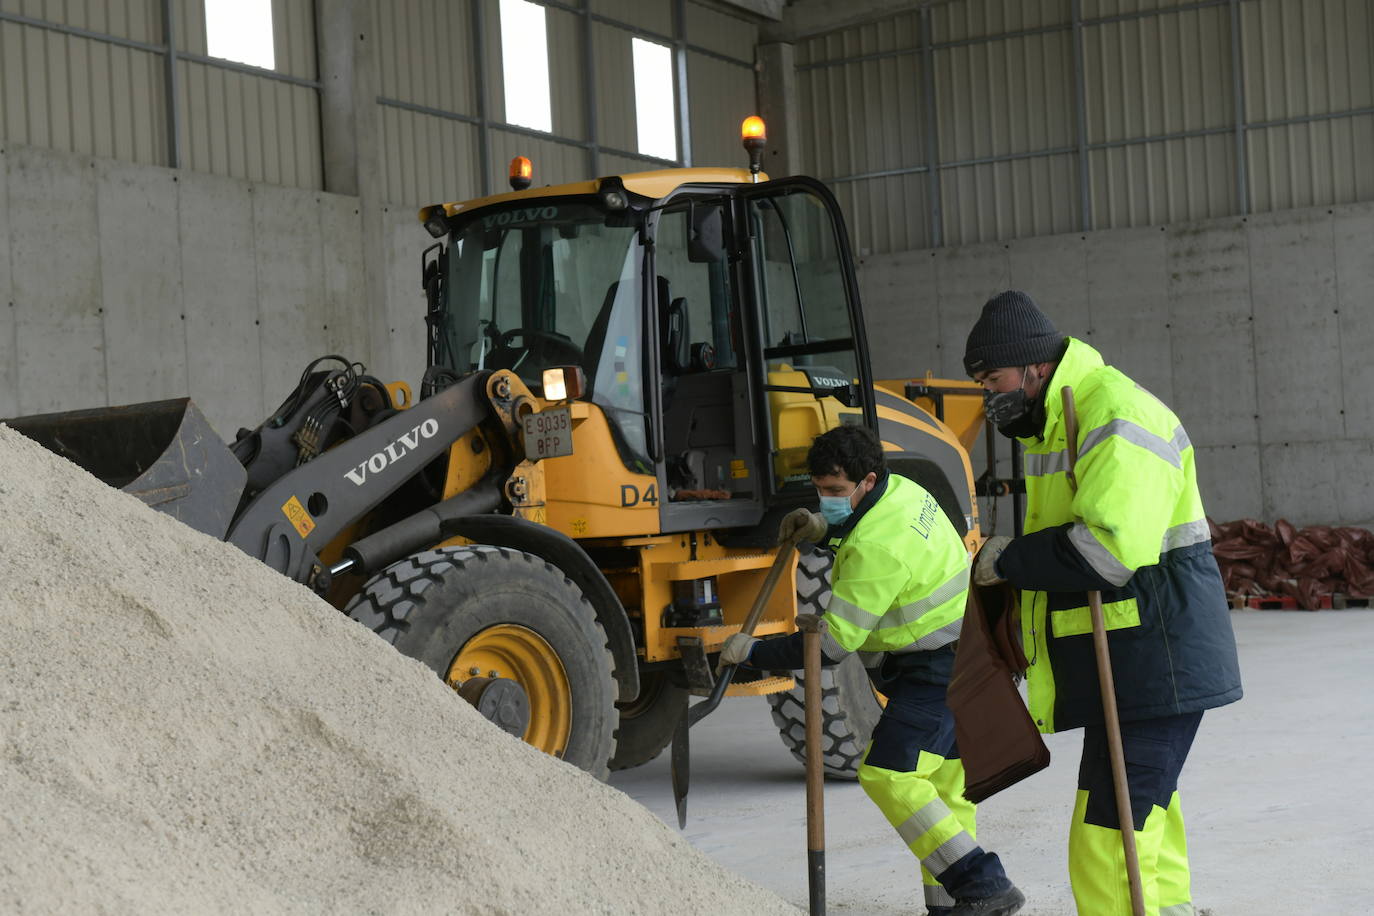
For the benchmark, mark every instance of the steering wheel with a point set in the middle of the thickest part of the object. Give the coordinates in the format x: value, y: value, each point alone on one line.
x: 530, y: 335
x: 548, y: 348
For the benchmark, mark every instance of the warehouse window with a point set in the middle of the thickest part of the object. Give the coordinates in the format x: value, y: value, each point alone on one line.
x: 525, y: 64
x: 240, y: 30
x: 654, y: 99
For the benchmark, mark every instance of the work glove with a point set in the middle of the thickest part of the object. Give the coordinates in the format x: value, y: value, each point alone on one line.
x: 802, y: 525
x: 985, y: 563
x: 736, y: 650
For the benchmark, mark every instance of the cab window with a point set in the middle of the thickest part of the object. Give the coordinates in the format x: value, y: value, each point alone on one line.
x: 536, y: 287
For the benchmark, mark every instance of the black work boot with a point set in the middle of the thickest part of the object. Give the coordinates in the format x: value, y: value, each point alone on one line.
x: 1004, y: 903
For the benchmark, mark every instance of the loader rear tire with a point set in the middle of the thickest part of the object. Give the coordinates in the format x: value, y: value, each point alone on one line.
x: 647, y: 723
x: 851, y: 707
x: 492, y: 609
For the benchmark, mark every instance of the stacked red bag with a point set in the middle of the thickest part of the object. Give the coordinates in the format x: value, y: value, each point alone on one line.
x: 1303, y: 563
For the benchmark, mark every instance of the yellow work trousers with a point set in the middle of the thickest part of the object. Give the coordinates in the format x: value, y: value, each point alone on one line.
x: 1097, y: 864
x: 928, y: 809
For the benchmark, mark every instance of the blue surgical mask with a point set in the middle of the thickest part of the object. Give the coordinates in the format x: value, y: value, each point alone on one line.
x: 837, y: 508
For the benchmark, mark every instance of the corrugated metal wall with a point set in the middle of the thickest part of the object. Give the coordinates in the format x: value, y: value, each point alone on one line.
x: 1309, y: 57
x: 615, y: 88
x: 721, y: 97
x: 421, y: 58
x: 89, y: 76
x: 1162, y: 137
x: 650, y: 15
x: 720, y: 78
x: 420, y: 168
x: 73, y: 93
x: 969, y: 20
x: 248, y: 126
x: 1161, y: 76
x: 1028, y: 82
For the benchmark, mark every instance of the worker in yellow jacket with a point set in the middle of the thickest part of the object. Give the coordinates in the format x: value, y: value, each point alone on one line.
x: 1133, y: 529
x: 899, y: 584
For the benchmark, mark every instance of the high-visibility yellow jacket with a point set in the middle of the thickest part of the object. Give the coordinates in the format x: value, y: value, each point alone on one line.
x: 899, y: 582
x: 1134, y: 529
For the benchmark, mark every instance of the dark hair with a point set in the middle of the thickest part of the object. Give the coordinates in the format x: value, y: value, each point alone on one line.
x: 851, y: 449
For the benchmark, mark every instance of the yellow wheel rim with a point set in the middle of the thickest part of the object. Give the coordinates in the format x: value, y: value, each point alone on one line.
x: 519, y: 653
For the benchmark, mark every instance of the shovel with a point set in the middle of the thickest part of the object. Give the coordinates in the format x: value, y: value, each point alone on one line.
x: 681, y: 754
x: 814, y: 627
x: 1104, y: 677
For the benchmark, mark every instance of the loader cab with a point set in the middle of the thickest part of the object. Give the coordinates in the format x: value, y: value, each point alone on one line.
x: 717, y: 327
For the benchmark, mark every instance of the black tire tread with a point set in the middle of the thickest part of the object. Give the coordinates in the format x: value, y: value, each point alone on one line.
x: 846, y: 739
x: 388, y: 600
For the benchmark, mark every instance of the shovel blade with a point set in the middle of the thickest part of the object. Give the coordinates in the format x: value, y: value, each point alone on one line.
x: 681, y: 766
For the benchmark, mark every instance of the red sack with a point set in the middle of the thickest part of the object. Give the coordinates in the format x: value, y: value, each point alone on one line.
x: 1304, y: 563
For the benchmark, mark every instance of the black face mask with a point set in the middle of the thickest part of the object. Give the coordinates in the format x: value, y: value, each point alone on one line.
x: 1015, y: 414
x: 1028, y: 425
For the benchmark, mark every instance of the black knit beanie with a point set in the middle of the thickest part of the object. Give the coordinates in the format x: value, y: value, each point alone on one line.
x: 1012, y: 331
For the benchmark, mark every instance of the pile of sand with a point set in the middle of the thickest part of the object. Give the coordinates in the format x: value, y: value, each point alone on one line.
x: 182, y: 729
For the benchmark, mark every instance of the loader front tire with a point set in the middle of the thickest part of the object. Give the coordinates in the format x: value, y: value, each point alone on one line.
x: 493, y: 612
x: 851, y: 707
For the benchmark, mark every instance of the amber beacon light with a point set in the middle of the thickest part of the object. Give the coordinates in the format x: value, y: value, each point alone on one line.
x: 755, y: 136
x: 521, y: 173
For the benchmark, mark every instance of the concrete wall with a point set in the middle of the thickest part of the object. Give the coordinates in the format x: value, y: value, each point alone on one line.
x: 1258, y: 332
x: 123, y: 283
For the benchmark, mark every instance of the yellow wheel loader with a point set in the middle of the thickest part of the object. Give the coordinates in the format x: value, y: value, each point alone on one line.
x: 579, y: 507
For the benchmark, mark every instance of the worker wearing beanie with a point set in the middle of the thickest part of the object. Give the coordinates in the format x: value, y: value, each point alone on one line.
x: 898, y: 589
x: 1134, y: 529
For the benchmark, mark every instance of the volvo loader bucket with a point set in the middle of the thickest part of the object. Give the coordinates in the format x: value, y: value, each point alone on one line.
x: 163, y: 452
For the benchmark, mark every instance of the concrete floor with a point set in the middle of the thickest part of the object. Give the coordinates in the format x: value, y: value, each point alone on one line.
x: 1280, y: 817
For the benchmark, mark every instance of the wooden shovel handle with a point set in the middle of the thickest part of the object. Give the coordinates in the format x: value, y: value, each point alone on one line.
x: 813, y: 627
x: 1108, y: 685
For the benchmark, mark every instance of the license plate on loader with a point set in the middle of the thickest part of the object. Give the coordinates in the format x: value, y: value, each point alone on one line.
x: 548, y: 434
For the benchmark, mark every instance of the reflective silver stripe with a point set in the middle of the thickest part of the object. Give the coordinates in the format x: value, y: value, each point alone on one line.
x: 1178, y: 909
x: 923, y: 821
x: 1181, y: 440
x: 1098, y: 557
x: 949, y: 852
x: 1134, y: 434
x: 1186, y: 535
x: 941, y: 637
x: 936, y: 895
x: 871, y: 659
x: 1050, y: 463
x: 851, y: 613
x: 904, y: 615
x: 831, y: 647
x: 910, y: 613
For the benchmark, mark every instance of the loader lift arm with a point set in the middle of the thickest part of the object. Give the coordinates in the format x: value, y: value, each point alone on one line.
x: 297, y: 515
